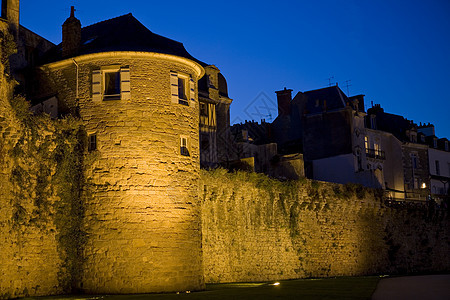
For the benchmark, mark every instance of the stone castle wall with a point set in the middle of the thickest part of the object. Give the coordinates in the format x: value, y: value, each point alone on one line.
x: 258, y: 229
x: 135, y: 216
x: 142, y: 219
x: 37, y: 211
x: 31, y: 259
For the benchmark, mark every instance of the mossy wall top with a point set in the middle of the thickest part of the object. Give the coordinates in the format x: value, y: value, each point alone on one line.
x: 257, y: 229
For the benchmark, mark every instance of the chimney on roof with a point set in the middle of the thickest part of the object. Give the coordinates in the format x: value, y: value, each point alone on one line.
x: 71, y: 35
x: 284, y: 98
x: 10, y: 12
x: 427, y: 129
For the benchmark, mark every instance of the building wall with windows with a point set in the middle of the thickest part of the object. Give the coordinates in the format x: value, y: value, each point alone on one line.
x: 416, y: 172
x: 341, y: 150
x: 143, y: 219
x: 439, y: 163
x: 382, y: 152
x: 328, y: 134
x: 214, y: 114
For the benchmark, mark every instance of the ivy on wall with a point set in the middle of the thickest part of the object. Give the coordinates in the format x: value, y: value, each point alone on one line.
x: 48, y: 184
x: 7, y: 48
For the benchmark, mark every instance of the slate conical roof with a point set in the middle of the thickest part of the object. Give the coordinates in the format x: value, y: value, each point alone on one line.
x: 124, y: 33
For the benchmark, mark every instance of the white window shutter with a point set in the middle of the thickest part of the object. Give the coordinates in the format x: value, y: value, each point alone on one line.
x: 174, y: 87
x: 125, y: 88
x: 192, y: 90
x: 96, y: 85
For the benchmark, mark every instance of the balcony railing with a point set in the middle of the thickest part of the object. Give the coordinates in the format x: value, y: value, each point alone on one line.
x: 374, y: 153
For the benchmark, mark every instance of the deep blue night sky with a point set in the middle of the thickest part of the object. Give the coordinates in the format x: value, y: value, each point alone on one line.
x: 397, y: 53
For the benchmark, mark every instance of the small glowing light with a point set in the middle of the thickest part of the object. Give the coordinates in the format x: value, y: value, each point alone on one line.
x: 188, y: 292
x: 276, y: 283
x: 424, y: 185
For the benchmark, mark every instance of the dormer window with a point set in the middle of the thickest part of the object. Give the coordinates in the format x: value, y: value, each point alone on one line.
x: 89, y: 41
x: 446, y: 145
x: 373, y: 122
x: 435, y: 143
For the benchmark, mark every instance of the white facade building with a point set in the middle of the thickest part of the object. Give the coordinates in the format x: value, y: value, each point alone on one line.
x: 439, y: 164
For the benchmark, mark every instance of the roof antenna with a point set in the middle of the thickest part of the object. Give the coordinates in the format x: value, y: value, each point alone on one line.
x: 347, y: 84
x: 329, y: 81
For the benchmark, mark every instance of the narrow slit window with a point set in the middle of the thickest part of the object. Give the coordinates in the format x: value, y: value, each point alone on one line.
x: 414, y: 161
x: 366, y: 143
x: 359, y: 160
x: 92, y: 146
x: 416, y: 183
x: 377, y: 149
x: 373, y: 122
x: 184, y: 146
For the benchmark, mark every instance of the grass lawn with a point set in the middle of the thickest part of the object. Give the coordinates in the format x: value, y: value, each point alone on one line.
x: 329, y: 288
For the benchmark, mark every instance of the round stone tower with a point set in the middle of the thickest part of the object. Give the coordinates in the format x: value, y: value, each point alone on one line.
x: 136, y: 93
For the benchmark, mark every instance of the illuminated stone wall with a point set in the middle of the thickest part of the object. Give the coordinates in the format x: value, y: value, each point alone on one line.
x: 37, y: 222
x: 39, y: 213
x: 258, y: 229
x: 136, y: 216
x: 28, y: 252
x: 142, y: 217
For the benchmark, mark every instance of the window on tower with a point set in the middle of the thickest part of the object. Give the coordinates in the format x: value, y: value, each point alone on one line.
x: 111, y: 85
x: 182, y: 88
x: 184, y: 149
x: 92, y: 142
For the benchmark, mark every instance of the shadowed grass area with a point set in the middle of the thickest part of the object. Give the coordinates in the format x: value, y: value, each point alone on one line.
x: 329, y: 288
